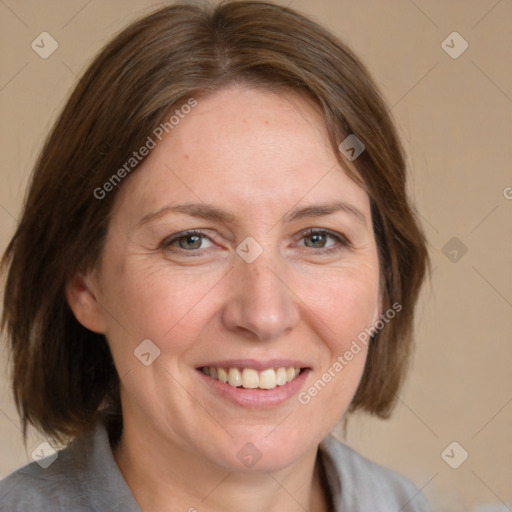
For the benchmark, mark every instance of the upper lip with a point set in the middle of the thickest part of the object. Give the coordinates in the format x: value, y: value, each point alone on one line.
x: 257, y: 364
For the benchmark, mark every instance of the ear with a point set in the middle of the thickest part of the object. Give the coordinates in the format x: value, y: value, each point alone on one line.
x: 83, y: 302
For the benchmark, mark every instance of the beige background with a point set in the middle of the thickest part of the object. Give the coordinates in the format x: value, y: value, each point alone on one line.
x: 455, y: 118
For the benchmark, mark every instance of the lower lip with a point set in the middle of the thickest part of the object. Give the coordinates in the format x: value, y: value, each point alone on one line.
x: 257, y: 398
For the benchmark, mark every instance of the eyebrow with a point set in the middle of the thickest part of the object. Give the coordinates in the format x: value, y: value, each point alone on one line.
x: 212, y: 213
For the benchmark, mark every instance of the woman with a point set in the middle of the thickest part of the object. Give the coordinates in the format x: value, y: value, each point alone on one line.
x: 217, y: 261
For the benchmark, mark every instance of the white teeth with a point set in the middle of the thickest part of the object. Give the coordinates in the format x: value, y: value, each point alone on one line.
x: 281, y: 377
x: 268, y: 379
x: 222, y: 375
x: 235, y: 377
x: 249, y: 378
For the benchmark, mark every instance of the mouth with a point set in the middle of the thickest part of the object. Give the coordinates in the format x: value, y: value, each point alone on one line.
x: 250, y: 378
x: 250, y: 383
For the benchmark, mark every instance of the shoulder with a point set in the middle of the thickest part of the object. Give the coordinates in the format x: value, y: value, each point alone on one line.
x: 83, y: 477
x: 54, y: 488
x: 361, y: 484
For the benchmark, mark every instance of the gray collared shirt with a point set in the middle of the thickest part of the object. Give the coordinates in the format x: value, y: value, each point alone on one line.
x: 86, y: 478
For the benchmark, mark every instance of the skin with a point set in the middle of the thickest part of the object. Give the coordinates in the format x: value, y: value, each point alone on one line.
x: 256, y: 154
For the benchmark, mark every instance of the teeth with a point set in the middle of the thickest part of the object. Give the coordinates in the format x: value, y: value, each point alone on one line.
x: 235, y: 377
x: 222, y: 375
x: 281, y: 377
x: 249, y: 378
x: 268, y: 379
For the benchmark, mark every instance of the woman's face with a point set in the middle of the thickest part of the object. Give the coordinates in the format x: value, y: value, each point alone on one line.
x: 252, y: 290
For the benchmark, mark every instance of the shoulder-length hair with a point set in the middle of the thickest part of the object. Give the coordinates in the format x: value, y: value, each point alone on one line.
x: 63, y: 374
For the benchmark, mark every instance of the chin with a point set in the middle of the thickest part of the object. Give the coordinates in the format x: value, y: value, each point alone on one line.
x: 264, y: 451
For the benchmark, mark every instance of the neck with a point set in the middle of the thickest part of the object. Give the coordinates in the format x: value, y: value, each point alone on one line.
x: 164, y: 476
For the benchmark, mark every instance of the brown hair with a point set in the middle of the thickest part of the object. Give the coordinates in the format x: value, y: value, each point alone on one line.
x: 63, y: 374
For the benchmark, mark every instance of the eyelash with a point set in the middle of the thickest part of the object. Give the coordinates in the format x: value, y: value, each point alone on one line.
x: 343, y: 242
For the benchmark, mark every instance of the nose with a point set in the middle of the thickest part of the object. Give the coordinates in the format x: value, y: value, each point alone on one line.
x: 261, y: 305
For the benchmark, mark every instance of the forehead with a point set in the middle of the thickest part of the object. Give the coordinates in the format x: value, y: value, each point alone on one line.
x: 244, y: 148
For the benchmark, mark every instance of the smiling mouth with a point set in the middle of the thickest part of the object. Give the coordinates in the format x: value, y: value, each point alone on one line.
x: 249, y: 378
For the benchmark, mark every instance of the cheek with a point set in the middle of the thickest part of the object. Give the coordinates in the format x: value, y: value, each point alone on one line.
x: 343, y: 306
x: 151, y: 302
x: 344, y: 303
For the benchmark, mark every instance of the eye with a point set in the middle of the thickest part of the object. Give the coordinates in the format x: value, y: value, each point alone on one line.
x: 319, y: 239
x: 188, y: 241
x: 194, y: 241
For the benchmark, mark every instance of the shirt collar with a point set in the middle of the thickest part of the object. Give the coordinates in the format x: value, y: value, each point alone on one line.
x: 100, y: 477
